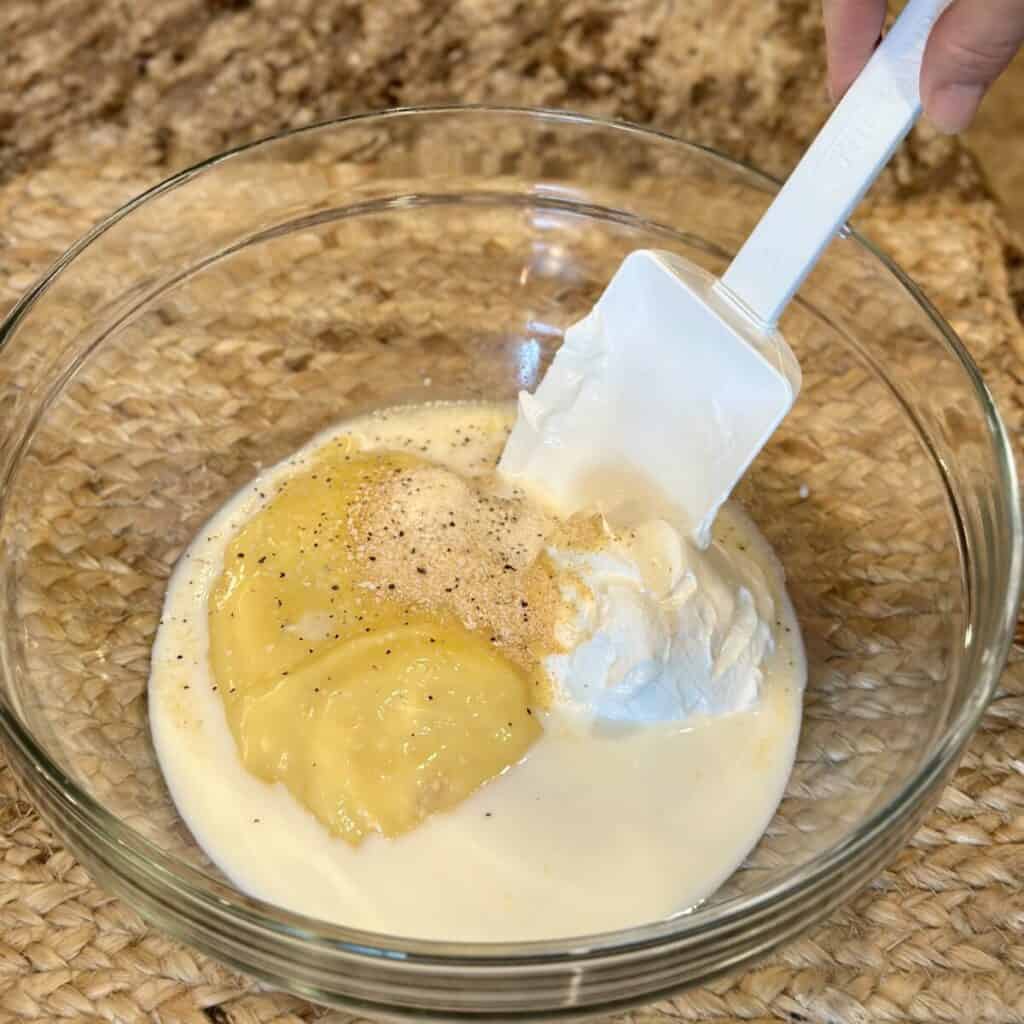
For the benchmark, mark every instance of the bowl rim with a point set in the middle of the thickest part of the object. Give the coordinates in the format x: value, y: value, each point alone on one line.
x: 179, y: 879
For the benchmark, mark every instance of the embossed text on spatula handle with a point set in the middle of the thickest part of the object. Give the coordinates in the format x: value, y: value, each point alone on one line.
x: 841, y: 164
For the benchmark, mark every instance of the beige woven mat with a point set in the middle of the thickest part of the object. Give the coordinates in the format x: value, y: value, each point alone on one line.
x: 102, y: 97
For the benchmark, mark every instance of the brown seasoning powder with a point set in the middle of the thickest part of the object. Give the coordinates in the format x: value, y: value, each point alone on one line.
x: 428, y: 537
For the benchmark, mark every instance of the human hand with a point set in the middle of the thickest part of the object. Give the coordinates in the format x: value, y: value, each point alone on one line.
x: 970, y: 46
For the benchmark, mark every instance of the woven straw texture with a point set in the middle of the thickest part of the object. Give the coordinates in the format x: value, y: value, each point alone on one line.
x: 939, y: 935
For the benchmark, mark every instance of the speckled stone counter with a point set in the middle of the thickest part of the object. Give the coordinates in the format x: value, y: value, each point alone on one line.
x: 101, y: 98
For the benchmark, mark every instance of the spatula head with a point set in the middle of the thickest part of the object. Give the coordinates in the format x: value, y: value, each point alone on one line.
x: 657, y: 401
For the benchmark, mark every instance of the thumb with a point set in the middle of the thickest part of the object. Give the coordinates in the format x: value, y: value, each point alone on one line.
x: 970, y: 46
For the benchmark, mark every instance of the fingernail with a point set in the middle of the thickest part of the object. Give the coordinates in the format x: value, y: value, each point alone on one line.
x: 951, y: 107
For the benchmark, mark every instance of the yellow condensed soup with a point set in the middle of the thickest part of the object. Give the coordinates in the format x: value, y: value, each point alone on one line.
x: 372, y: 711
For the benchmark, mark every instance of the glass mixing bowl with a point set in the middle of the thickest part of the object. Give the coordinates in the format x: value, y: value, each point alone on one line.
x: 219, y: 321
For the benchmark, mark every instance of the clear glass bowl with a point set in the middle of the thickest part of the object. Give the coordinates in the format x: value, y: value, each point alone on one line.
x: 220, y: 320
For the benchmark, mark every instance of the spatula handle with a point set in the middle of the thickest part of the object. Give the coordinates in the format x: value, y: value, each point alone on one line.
x: 849, y: 152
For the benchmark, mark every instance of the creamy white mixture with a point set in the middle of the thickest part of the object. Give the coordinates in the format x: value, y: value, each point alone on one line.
x: 603, y: 825
x: 663, y: 630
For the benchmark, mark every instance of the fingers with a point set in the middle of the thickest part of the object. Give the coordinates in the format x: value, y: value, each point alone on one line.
x: 852, y: 29
x: 970, y: 46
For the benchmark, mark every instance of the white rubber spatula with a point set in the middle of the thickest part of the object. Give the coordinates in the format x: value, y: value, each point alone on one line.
x: 664, y: 394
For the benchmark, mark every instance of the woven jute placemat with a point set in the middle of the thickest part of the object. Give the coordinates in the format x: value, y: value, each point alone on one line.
x: 101, y: 99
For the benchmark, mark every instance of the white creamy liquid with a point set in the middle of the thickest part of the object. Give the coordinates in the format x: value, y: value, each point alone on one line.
x: 596, y: 829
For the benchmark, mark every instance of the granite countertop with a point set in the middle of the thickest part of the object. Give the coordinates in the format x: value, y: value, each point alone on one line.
x: 101, y: 98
